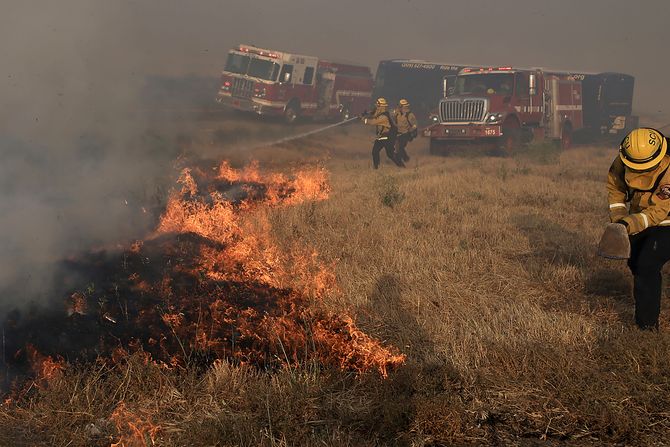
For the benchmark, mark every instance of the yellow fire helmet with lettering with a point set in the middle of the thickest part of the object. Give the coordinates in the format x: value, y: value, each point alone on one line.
x: 403, y: 103
x: 643, y: 149
x: 381, y: 102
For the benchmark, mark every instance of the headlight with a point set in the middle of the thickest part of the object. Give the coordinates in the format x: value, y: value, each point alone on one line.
x: 434, y: 119
x: 259, y: 92
x: 494, y: 118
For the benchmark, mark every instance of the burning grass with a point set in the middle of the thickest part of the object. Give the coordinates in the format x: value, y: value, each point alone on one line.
x: 208, y: 284
x: 484, y: 276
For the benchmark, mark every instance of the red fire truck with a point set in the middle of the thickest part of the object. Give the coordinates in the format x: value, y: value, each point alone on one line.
x: 505, y: 107
x: 268, y: 82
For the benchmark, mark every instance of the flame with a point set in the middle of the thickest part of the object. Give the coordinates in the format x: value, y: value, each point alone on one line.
x: 188, y: 185
x: 135, y: 431
x: 225, y: 172
x: 46, y: 369
x: 248, y: 245
x: 244, y: 251
x: 352, y: 349
x: 210, y: 282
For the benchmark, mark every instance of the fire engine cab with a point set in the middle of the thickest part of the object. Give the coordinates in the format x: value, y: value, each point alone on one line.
x: 268, y: 82
x: 507, y: 106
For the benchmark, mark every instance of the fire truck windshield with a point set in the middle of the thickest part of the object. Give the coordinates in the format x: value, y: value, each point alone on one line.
x: 237, y: 63
x: 263, y: 69
x: 485, y: 84
x: 247, y: 65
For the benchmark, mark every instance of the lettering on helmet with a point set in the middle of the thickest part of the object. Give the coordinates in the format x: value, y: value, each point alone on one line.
x: 652, y: 139
x: 664, y: 192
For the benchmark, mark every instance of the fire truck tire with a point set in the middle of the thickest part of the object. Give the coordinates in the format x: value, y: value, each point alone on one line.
x: 566, y: 136
x: 291, y: 113
x: 511, y: 139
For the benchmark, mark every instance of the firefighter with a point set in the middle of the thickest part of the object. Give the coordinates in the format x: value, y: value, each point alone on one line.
x: 640, y: 177
x: 407, y: 129
x: 386, y: 132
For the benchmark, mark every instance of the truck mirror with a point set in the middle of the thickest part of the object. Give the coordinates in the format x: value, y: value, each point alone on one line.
x: 287, y: 78
x: 445, y: 87
x: 532, y: 84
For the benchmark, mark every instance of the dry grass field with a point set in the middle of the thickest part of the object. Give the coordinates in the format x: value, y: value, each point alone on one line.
x: 482, y: 270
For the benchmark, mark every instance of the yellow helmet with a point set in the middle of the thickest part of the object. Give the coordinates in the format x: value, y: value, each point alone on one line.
x: 403, y: 103
x: 643, y: 149
x: 381, y: 102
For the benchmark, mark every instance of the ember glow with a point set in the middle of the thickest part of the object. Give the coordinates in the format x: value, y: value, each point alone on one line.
x: 135, y: 431
x: 209, y: 283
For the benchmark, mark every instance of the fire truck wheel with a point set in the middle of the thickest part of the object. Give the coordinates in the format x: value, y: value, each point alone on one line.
x: 566, y: 136
x: 510, y: 140
x: 291, y: 113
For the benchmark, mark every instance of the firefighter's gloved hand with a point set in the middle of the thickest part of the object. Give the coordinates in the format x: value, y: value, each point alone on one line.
x: 614, y: 244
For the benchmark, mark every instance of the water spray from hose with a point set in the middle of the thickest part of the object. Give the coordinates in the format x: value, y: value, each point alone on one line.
x: 301, y: 135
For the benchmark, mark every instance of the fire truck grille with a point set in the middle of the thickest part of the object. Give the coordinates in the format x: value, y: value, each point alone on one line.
x: 469, y: 110
x: 242, y: 88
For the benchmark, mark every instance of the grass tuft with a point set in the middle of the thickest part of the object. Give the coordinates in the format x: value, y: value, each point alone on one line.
x: 390, y: 194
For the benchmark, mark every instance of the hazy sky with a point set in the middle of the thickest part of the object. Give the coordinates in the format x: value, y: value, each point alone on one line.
x: 177, y: 36
x: 588, y: 35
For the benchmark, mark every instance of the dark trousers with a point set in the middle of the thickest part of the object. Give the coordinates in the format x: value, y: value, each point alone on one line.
x: 650, y: 250
x: 387, y: 144
x: 403, y: 139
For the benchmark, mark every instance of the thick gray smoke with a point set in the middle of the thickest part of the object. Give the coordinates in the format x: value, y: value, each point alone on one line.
x: 77, y: 159
x: 74, y: 144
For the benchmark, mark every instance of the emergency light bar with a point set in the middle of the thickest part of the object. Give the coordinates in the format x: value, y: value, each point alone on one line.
x: 472, y: 70
x: 259, y: 52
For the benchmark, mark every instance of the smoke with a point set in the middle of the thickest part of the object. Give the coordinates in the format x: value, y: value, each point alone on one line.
x: 80, y: 152
x: 80, y: 158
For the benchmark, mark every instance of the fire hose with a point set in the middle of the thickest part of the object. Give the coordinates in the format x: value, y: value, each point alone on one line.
x: 301, y: 135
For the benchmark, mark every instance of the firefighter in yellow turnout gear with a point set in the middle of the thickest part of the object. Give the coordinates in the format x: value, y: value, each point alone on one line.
x: 386, y: 132
x: 407, y: 128
x: 638, y: 190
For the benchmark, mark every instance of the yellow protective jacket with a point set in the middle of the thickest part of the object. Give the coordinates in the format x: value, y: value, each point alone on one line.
x: 646, y: 193
x: 406, y: 122
x: 383, y: 123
